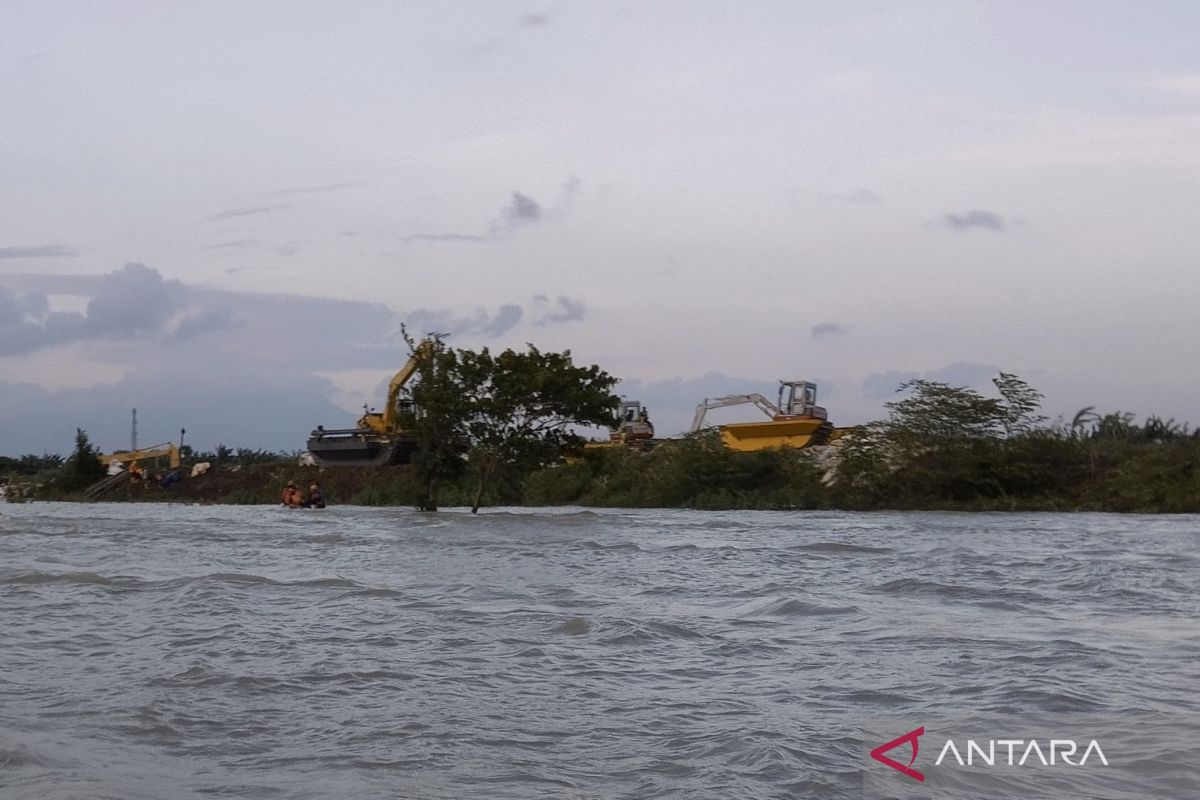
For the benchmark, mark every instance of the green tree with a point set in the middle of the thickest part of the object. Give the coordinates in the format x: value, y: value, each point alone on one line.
x: 935, y: 412
x: 434, y: 409
x: 520, y: 407
x: 1021, y: 403
x: 84, y: 467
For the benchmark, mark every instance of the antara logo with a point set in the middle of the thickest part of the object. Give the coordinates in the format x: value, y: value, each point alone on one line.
x: 1013, y: 753
x: 909, y: 738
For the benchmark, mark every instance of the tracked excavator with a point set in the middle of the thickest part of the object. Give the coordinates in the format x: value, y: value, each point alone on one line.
x: 167, y: 450
x: 379, y: 438
x: 795, y: 420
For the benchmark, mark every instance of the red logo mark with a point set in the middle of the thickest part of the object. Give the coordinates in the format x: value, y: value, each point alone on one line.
x: 910, y: 737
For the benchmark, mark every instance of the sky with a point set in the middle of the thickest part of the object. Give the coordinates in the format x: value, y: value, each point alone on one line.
x: 221, y: 213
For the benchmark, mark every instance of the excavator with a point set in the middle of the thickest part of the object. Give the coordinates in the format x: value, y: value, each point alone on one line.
x: 795, y: 420
x: 166, y: 450
x: 378, y: 439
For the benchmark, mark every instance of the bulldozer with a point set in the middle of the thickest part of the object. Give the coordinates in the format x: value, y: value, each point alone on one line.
x: 795, y: 420
x: 378, y: 438
x: 632, y: 429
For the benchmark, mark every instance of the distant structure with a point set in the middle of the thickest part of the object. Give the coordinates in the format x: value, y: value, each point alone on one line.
x: 133, y: 432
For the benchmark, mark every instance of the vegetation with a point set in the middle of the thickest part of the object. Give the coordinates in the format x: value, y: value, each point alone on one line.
x: 494, y: 441
x: 83, y: 468
x: 498, y: 415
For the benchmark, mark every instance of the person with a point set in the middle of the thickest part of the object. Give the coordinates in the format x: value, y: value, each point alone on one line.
x: 315, y: 498
x: 291, y: 496
x: 171, y: 478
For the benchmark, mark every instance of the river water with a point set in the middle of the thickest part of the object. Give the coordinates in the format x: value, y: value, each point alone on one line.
x: 162, y: 651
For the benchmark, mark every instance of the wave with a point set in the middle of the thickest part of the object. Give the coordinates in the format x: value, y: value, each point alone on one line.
x: 799, y: 608
x: 839, y: 547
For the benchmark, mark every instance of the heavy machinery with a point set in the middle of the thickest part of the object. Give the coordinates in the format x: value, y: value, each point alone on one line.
x: 378, y: 439
x: 128, y: 457
x: 633, y: 424
x: 795, y: 421
x: 632, y: 429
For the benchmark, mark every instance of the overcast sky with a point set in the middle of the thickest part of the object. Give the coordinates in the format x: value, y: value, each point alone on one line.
x: 221, y: 212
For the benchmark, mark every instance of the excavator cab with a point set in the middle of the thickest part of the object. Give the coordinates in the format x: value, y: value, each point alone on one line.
x: 799, y: 399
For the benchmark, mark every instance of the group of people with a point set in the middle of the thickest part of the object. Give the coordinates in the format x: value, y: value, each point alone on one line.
x: 294, y: 498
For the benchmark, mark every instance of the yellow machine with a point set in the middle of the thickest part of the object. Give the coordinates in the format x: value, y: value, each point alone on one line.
x: 378, y: 439
x: 127, y: 457
x: 633, y: 429
x: 795, y: 421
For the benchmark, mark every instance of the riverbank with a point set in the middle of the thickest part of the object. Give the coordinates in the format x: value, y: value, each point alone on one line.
x: 1029, y: 474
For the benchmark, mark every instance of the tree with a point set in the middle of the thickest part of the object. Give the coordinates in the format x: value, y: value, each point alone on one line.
x: 937, y: 413
x: 84, y: 467
x: 487, y: 413
x: 434, y: 410
x: 1021, y: 401
x: 520, y: 408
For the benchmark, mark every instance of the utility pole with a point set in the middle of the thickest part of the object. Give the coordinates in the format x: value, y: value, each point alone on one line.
x: 133, y: 434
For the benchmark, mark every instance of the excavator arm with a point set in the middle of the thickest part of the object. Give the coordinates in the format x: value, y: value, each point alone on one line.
x: 765, y: 405
x: 400, y: 379
x: 157, y: 451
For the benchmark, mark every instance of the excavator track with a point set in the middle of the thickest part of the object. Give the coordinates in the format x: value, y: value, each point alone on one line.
x: 359, y: 447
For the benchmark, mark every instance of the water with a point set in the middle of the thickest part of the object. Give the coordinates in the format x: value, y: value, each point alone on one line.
x: 153, y: 651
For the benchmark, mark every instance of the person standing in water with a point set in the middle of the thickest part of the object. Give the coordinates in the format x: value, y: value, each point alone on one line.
x: 291, y: 496
x: 315, y: 498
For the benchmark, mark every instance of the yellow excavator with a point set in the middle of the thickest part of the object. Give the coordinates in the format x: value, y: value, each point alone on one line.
x: 795, y: 421
x: 378, y: 439
x: 127, y: 457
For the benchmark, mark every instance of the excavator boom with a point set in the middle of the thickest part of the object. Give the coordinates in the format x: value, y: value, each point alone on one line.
x: 378, y: 439
x: 767, y: 407
x: 169, y: 450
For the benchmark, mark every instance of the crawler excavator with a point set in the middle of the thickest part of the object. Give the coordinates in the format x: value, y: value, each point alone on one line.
x: 795, y: 421
x: 379, y: 438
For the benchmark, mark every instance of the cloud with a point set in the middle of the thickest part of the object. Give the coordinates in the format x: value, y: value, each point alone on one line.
x: 563, y: 309
x: 41, y: 251
x: 481, y: 323
x: 232, y: 213
x: 856, y: 197
x: 523, y: 210
x: 443, y: 237
x: 129, y: 302
x: 971, y: 220
x: 288, y: 248
x: 322, y: 189
x: 534, y: 20
x: 205, y: 321
x: 235, y: 367
x: 235, y: 243
x: 134, y: 299
x: 824, y: 329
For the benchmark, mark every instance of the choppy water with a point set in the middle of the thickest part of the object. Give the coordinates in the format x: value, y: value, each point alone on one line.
x: 174, y: 651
